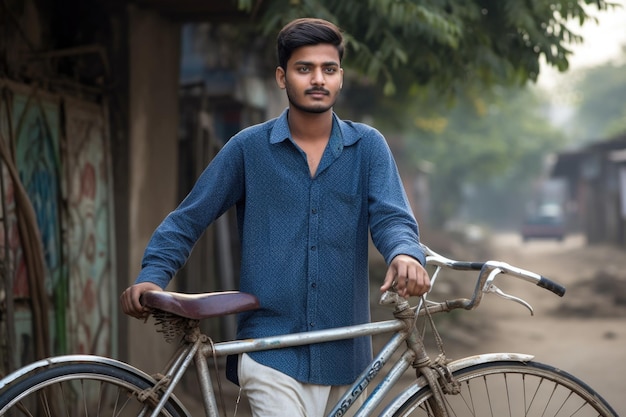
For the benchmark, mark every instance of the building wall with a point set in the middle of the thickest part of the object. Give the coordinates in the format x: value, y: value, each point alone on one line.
x: 154, y: 50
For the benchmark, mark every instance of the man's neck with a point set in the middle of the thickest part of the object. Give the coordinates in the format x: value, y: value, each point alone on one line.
x: 310, y: 126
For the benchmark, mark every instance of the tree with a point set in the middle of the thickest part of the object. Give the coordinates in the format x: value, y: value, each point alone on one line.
x: 447, y: 43
x: 497, y: 143
x: 600, y: 110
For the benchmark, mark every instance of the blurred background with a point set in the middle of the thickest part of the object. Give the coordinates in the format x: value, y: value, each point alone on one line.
x: 507, y: 120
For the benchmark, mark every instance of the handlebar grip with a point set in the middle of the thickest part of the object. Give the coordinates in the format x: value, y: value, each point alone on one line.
x: 558, y: 289
x: 468, y: 266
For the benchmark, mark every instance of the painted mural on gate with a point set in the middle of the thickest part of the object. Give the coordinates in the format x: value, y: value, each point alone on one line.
x: 91, y: 290
x: 36, y: 146
x: 14, y: 273
x: 67, y: 180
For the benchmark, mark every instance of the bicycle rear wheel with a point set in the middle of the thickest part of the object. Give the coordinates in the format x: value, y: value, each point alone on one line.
x: 81, y: 390
x: 506, y: 388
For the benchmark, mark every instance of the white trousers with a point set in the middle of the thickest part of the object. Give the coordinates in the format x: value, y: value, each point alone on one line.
x: 272, y: 393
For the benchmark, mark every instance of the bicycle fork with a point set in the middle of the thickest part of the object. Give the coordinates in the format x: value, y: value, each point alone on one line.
x: 436, y: 373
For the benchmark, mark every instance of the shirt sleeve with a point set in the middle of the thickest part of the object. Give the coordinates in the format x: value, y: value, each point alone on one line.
x: 218, y: 188
x: 392, y: 223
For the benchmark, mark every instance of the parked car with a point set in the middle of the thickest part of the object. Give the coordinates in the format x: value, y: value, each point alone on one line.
x: 547, y: 223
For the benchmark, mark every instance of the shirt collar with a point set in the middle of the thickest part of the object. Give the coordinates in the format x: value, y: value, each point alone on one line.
x: 342, y: 134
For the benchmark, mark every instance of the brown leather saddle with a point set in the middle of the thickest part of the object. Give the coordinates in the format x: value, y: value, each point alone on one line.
x: 200, y: 306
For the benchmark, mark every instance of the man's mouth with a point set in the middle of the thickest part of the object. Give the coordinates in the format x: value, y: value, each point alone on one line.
x: 317, y: 92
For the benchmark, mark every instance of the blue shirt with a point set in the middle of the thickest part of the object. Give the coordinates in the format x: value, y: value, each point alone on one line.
x: 304, y: 238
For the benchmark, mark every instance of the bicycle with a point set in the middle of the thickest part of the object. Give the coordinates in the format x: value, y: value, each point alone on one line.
x: 494, y: 384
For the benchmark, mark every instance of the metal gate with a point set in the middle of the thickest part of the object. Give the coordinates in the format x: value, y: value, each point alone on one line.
x: 56, y: 227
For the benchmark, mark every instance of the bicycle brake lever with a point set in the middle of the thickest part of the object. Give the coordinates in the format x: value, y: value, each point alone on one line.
x: 497, y: 291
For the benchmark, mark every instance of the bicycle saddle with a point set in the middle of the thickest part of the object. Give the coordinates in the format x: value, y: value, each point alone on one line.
x: 200, y: 306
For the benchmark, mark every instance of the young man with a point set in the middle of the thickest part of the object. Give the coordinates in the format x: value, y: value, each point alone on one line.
x: 308, y: 188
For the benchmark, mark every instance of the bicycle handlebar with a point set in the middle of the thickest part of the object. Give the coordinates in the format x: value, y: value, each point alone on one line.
x: 488, y: 270
x: 530, y: 276
x: 550, y: 285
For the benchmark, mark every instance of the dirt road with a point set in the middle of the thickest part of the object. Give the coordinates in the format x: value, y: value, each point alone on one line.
x: 583, y: 333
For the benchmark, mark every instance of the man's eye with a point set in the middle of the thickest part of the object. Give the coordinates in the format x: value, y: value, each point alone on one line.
x: 303, y: 69
x: 331, y: 70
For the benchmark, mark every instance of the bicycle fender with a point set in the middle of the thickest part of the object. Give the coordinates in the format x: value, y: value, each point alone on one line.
x: 454, y: 366
x: 56, y: 360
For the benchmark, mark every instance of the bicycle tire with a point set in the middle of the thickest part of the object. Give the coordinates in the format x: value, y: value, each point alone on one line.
x: 82, y: 390
x: 507, y: 388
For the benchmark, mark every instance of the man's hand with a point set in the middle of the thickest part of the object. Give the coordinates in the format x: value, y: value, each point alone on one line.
x: 130, y: 299
x: 409, y: 276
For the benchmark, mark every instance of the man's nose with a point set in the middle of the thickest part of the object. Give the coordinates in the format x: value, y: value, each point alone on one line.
x: 317, y: 77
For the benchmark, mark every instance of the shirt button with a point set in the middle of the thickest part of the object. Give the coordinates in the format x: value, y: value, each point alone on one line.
x: 314, y: 211
x: 314, y: 285
x: 312, y: 324
x: 313, y: 248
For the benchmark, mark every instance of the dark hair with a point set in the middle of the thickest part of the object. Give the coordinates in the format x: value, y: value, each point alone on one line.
x: 306, y: 32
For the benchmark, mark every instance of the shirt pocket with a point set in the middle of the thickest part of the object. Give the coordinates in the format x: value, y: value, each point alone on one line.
x: 342, y: 218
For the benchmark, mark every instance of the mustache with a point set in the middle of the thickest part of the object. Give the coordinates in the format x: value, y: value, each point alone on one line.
x: 317, y: 90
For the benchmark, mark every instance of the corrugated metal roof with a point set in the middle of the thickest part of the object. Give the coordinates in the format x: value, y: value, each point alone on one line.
x: 568, y: 163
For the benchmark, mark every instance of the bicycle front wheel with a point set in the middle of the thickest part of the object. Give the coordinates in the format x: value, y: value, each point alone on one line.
x: 81, y: 390
x: 506, y: 388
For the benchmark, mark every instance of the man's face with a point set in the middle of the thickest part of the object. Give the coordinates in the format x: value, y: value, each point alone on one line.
x: 312, y: 79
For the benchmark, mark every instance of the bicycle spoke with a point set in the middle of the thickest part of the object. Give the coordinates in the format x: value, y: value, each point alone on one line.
x: 45, y: 404
x: 64, y: 399
x: 508, y: 393
x: 468, y: 400
x: 512, y: 389
x: 82, y: 390
x: 115, y: 412
x: 23, y: 410
x: 488, y: 392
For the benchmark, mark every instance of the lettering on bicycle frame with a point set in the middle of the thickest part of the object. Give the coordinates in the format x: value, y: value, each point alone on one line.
x: 371, y: 374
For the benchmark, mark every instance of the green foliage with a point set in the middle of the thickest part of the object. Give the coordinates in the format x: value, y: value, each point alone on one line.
x: 441, y: 42
x: 600, y: 108
x: 497, y: 141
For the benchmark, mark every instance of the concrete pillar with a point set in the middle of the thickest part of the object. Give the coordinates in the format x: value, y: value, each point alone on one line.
x: 154, y: 49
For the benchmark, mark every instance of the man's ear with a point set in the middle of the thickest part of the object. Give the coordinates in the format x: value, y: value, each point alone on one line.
x: 280, y: 77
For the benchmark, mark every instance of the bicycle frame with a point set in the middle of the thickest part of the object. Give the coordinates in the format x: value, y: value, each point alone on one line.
x: 387, y: 412
x: 405, y: 332
x: 201, y: 349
